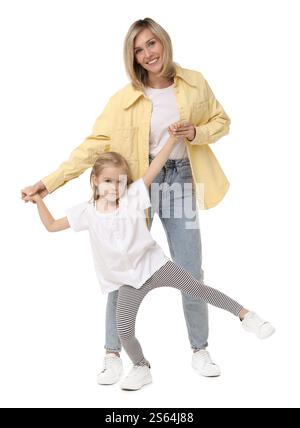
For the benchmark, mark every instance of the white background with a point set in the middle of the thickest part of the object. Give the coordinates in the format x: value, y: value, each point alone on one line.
x: 60, y: 62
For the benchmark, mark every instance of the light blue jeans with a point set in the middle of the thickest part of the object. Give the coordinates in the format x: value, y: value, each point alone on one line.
x: 173, y: 199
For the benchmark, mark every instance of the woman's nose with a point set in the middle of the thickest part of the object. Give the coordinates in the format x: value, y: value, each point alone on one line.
x: 147, y: 53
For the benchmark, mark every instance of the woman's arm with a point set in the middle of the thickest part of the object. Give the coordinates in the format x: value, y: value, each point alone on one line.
x: 48, y: 221
x: 217, y: 125
x: 85, y: 155
x: 159, y: 161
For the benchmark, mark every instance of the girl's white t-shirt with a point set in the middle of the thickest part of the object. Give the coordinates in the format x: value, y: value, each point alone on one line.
x: 123, y: 249
x: 164, y: 113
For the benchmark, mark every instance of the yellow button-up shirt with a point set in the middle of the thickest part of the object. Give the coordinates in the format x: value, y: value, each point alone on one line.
x: 124, y: 127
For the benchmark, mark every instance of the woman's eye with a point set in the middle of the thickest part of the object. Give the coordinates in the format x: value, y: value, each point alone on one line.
x: 137, y: 51
x: 152, y: 43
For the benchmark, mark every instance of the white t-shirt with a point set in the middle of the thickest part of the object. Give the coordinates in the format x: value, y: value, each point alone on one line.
x: 164, y: 113
x: 123, y: 248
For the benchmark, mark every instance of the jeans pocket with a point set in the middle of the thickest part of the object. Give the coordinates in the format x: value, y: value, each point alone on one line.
x: 185, y: 171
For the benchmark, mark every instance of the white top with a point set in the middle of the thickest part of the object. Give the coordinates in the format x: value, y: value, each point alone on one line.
x: 123, y: 248
x: 164, y: 113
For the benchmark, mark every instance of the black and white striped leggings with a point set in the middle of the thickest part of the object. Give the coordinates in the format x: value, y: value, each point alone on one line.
x: 169, y: 275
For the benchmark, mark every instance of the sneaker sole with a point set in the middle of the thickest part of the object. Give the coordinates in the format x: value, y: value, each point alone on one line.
x: 262, y: 337
x: 267, y: 334
x: 205, y: 374
x: 106, y: 383
x: 146, y: 382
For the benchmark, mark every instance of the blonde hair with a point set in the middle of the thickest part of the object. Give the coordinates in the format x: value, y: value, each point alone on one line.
x: 136, y: 73
x: 109, y: 159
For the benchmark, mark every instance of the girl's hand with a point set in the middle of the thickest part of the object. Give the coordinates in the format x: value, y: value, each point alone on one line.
x: 172, y: 137
x: 34, y: 198
x: 183, y: 129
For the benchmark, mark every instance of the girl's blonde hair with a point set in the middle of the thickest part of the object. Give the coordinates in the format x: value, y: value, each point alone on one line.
x: 136, y: 73
x: 105, y: 160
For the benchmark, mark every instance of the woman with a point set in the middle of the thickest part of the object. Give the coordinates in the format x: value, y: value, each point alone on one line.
x: 135, y: 123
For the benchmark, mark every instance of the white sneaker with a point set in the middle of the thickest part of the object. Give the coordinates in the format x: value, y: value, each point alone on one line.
x: 254, y: 324
x: 138, y: 377
x: 202, y: 362
x: 112, y: 370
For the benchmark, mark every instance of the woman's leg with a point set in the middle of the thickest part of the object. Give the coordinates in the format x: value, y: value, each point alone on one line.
x: 112, y: 341
x: 177, y: 209
x: 112, y: 368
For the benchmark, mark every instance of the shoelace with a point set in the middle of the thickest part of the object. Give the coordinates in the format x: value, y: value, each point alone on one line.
x: 106, y: 360
x: 257, y: 320
x: 134, y: 371
x: 206, y: 358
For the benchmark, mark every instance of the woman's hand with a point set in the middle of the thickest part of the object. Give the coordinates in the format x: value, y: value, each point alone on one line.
x: 38, y: 188
x: 183, y: 129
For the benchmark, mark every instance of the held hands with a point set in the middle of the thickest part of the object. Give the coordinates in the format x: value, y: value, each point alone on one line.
x: 34, y: 198
x: 37, y: 189
x: 182, y: 129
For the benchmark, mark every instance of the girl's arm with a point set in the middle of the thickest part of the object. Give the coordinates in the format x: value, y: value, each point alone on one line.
x: 159, y: 161
x: 49, y: 222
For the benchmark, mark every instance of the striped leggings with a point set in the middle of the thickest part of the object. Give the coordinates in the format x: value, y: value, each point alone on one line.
x: 169, y: 275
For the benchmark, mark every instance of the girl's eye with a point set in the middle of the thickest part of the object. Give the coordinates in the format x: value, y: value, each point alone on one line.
x: 138, y: 51
x: 107, y: 181
x: 152, y: 43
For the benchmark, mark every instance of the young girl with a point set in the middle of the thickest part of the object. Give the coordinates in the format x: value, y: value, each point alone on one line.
x: 126, y: 256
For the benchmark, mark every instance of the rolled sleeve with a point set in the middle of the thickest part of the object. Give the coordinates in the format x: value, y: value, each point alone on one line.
x: 218, y: 124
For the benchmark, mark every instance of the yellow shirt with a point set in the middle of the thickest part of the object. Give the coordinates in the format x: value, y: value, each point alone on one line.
x: 124, y: 127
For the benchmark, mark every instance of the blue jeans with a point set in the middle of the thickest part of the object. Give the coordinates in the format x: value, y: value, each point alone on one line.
x: 179, y: 216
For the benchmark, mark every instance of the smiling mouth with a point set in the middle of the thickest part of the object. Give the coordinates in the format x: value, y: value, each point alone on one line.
x: 153, y: 61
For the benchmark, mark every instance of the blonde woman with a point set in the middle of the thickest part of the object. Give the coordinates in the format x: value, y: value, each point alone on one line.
x: 161, y: 96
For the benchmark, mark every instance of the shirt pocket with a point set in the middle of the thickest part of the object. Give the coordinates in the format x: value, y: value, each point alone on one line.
x: 200, y: 112
x: 125, y: 142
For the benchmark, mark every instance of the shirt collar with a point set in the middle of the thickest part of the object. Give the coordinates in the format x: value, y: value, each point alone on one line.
x: 133, y: 94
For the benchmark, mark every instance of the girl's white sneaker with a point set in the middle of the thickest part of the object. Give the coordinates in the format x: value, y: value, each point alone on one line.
x: 254, y: 324
x: 112, y: 370
x: 138, y: 377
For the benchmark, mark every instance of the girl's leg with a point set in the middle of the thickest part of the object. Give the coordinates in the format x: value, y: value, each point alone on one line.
x: 128, y: 305
x: 172, y: 275
x: 169, y: 275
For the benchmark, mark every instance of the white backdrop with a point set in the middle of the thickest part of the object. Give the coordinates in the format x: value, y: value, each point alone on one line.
x: 61, y: 61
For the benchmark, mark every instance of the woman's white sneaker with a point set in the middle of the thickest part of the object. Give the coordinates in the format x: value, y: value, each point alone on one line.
x: 204, y: 365
x: 112, y: 370
x: 138, y: 377
x: 254, y: 324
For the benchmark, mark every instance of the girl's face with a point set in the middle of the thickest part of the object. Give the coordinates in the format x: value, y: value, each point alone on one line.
x: 148, y: 51
x: 111, y: 183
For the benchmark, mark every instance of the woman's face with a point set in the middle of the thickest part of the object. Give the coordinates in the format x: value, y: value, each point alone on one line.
x: 148, y: 51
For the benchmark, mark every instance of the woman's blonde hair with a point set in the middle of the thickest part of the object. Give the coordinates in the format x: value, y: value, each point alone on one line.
x: 136, y: 73
x: 103, y: 161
